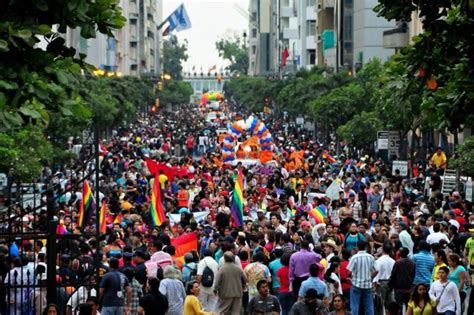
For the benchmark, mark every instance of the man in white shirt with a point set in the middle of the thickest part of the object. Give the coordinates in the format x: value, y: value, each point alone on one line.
x: 276, y: 222
x: 384, y: 266
x: 207, y: 297
x: 436, y: 236
x: 445, y: 292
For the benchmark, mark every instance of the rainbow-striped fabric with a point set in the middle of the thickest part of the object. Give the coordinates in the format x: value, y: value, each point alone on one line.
x: 102, y: 218
x: 318, y: 213
x: 87, y: 204
x: 156, y: 207
x: 237, y: 208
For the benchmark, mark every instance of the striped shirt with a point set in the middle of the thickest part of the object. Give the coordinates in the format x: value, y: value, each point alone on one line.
x: 424, y: 264
x: 361, y: 265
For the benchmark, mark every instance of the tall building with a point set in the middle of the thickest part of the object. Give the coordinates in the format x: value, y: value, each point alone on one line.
x: 350, y: 34
x: 263, y: 37
x: 134, y: 49
x: 368, y: 33
x: 276, y: 25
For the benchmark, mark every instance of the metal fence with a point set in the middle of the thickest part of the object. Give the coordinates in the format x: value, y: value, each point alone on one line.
x: 38, y: 264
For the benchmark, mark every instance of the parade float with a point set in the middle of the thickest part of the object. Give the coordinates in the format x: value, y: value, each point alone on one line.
x: 256, y: 149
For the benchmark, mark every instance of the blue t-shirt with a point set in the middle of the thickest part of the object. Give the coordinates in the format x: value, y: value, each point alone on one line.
x: 274, y: 266
x: 351, y: 241
x: 313, y: 283
x: 424, y: 264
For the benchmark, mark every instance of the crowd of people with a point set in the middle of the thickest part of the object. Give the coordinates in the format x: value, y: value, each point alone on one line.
x: 386, y: 244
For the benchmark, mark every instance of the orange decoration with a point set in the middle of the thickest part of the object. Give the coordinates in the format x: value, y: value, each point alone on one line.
x: 421, y: 73
x: 432, y: 84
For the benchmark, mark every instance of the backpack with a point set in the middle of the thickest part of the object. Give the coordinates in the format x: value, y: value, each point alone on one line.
x: 207, y: 277
x: 192, y: 275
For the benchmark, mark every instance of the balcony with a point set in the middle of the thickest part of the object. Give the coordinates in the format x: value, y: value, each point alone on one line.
x: 311, y: 42
x: 287, y: 12
x: 289, y: 33
x: 311, y: 13
x: 396, y: 38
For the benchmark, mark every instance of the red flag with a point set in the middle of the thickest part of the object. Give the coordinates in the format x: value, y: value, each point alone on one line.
x: 185, y: 243
x: 166, y: 31
x: 284, y: 56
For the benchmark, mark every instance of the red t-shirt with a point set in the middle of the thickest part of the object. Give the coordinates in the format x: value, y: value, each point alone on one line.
x: 344, y: 274
x: 284, y: 274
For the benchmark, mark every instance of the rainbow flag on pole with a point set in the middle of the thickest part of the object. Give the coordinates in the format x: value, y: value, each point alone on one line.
x: 87, y: 204
x: 102, y: 218
x: 156, y: 207
x: 328, y: 157
x: 237, y: 208
x: 318, y: 213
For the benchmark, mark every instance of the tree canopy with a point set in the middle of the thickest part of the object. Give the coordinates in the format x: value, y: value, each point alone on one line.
x: 235, y: 51
x: 174, y: 53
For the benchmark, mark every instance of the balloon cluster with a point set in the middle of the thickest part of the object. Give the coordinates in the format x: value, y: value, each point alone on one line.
x: 210, y: 96
x: 256, y: 128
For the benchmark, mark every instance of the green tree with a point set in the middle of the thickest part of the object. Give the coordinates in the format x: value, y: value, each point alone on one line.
x: 23, y: 152
x: 174, y: 54
x: 175, y: 93
x: 441, y: 58
x: 337, y: 107
x: 236, y: 52
x: 36, y: 83
x: 361, y: 131
x: 464, y: 157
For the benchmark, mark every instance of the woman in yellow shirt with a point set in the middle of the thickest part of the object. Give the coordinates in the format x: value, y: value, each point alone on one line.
x: 192, y: 306
x: 440, y: 261
x: 420, y: 302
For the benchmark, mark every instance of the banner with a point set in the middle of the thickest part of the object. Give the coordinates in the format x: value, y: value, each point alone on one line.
x: 185, y: 244
x: 198, y: 217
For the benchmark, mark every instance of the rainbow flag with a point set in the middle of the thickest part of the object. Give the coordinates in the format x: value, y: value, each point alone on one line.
x: 328, y: 157
x: 118, y: 219
x: 318, y: 214
x: 87, y: 204
x: 156, y: 207
x: 184, y: 244
x: 102, y: 218
x: 237, y: 208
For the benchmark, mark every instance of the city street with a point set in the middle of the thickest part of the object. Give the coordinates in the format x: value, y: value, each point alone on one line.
x: 236, y: 157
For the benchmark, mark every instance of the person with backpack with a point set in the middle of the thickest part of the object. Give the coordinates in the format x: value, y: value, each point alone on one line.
x: 115, y: 291
x: 206, y: 273
x: 189, y: 270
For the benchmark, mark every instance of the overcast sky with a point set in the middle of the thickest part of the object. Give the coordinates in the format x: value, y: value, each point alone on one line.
x: 211, y: 20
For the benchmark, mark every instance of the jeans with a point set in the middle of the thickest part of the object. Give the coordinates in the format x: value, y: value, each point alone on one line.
x: 112, y: 310
x: 448, y: 313
x: 364, y: 295
x: 286, y: 302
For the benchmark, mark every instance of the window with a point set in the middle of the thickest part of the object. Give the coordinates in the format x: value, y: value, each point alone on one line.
x: 254, y: 49
x: 254, y: 33
x: 311, y: 28
x: 312, y: 56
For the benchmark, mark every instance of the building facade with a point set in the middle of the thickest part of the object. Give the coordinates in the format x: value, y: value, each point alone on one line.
x: 134, y: 49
